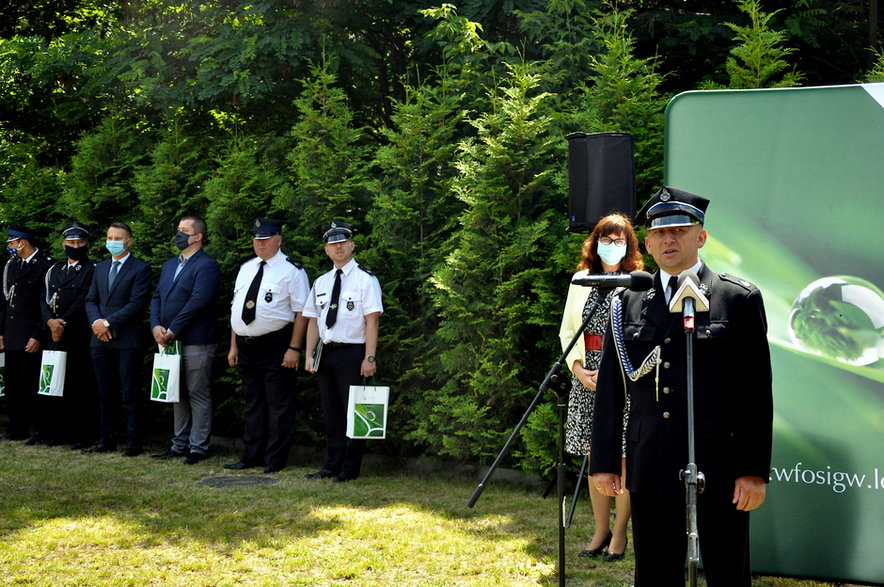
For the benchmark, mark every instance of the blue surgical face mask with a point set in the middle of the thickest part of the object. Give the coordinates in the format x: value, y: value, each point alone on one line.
x: 115, y: 247
x: 611, y: 254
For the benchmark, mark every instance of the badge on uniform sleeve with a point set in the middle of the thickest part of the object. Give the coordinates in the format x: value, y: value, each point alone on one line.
x: 268, y: 298
x: 350, y: 305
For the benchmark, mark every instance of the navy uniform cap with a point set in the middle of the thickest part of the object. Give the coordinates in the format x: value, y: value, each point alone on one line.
x: 17, y: 231
x: 671, y: 207
x: 75, y: 232
x: 336, y: 232
x: 266, y: 228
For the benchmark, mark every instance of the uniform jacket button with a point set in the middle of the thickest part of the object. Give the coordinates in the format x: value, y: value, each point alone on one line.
x: 666, y: 390
x: 666, y: 415
x: 666, y: 365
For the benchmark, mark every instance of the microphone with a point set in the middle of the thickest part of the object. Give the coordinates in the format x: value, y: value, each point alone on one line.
x: 636, y: 281
x: 688, y: 298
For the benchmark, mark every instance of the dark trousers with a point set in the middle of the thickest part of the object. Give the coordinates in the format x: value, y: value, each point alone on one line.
x: 74, y: 417
x: 116, y: 371
x: 270, y: 397
x: 338, y: 370
x: 22, y: 378
x: 660, y: 539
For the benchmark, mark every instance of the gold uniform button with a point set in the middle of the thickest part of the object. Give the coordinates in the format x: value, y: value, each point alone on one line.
x: 666, y: 365
x: 666, y: 415
x: 666, y: 390
x: 667, y: 340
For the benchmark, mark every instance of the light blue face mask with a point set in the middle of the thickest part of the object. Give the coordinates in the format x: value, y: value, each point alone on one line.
x: 611, y: 254
x: 115, y: 247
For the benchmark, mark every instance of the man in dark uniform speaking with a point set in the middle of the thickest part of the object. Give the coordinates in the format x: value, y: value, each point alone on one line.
x: 733, y: 405
x: 267, y: 333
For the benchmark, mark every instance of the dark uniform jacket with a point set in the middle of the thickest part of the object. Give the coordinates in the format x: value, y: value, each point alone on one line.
x: 20, y: 317
x: 733, y: 402
x: 64, y: 297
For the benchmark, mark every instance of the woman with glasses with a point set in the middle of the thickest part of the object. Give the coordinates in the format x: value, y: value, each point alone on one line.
x: 612, y: 247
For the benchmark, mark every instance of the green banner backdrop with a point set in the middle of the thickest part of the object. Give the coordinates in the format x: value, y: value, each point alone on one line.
x: 796, y: 182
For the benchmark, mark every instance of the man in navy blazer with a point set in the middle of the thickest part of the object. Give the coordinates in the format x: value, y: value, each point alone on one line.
x: 116, y: 305
x: 183, y: 309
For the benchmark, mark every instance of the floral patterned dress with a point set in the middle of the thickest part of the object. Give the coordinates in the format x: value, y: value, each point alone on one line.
x: 578, y: 435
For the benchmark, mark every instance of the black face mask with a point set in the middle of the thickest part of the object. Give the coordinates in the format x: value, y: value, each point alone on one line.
x: 181, y: 240
x: 77, y: 254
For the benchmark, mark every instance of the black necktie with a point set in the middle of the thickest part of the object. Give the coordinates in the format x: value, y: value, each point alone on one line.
x: 332, y: 315
x: 248, y: 309
x: 113, y: 274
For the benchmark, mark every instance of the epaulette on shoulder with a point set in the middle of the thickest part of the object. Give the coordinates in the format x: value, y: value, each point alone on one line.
x: 364, y: 269
x: 737, y: 281
x: 293, y: 262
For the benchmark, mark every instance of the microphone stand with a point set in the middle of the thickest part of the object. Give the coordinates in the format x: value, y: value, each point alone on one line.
x: 694, y: 480
x: 561, y: 386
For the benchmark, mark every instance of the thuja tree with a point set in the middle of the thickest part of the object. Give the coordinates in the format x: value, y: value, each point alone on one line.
x: 412, y: 216
x: 488, y: 288
x: 326, y: 165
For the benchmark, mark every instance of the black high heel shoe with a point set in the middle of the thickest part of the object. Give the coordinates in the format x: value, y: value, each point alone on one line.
x: 598, y: 551
x: 613, y: 556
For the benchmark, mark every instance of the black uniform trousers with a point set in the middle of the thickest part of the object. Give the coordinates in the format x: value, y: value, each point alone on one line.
x: 117, y: 371
x: 270, y: 397
x: 74, y: 417
x: 338, y: 370
x: 659, y: 531
x: 22, y: 378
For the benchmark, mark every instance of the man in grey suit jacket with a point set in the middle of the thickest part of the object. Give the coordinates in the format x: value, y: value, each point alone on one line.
x: 116, y: 305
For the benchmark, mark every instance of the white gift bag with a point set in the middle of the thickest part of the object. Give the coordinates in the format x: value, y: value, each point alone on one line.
x: 2, y: 373
x: 367, y: 411
x: 52, y: 372
x: 166, y: 374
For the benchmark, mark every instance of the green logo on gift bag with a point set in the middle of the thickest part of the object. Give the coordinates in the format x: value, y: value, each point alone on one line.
x: 369, y: 420
x: 46, y: 378
x: 160, y: 384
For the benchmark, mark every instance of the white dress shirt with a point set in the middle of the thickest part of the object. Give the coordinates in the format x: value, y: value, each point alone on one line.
x: 360, y: 295
x: 284, y: 289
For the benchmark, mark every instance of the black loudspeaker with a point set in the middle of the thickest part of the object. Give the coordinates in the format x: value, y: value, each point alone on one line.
x: 601, y: 178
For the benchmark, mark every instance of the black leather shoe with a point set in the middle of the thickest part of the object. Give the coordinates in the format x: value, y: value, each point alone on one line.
x: 240, y: 466
x: 613, y: 556
x: 132, y: 451
x: 323, y: 474
x: 194, y: 458
x: 169, y: 454
x: 598, y: 551
x: 343, y: 478
x: 100, y: 448
x: 273, y: 469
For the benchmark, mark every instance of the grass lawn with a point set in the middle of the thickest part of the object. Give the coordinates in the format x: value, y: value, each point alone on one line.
x: 72, y: 519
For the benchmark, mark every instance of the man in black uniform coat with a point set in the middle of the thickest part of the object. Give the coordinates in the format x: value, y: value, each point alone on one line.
x: 22, y: 331
x: 74, y: 416
x: 733, y: 406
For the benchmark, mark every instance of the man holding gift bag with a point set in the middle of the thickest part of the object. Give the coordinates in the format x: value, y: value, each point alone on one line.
x: 183, y: 309
x: 344, y: 310
x: 22, y: 331
x: 74, y: 417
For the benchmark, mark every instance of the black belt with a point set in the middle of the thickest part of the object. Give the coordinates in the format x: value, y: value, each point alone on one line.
x: 337, y: 344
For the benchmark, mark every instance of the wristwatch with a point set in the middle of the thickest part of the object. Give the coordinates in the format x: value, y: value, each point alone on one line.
x: 106, y: 323
x: 370, y: 358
